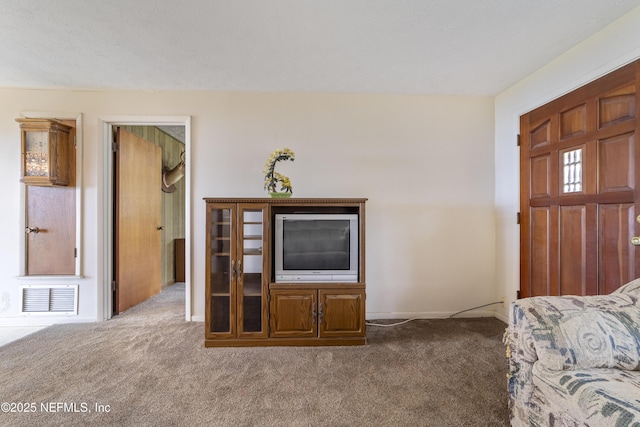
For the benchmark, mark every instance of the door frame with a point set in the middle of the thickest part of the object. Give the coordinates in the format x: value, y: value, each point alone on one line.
x: 105, y: 219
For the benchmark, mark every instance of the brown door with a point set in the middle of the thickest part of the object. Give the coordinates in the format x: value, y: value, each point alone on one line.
x: 138, y: 217
x: 51, y: 225
x: 580, y: 171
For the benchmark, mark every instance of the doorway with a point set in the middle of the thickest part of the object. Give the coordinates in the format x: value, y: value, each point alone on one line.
x: 147, y: 127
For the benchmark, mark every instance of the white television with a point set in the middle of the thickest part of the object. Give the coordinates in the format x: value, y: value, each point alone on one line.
x: 316, y: 248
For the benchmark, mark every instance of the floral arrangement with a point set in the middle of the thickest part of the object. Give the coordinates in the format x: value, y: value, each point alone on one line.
x: 271, y: 177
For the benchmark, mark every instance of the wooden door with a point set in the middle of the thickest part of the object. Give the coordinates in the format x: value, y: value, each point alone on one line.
x: 138, y: 220
x: 580, y: 171
x: 51, y: 225
x: 341, y: 313
x: 293, y: 313
x: 51, y: 222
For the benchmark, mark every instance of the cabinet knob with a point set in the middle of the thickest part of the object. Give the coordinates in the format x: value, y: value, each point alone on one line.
x: 635, y: 241
x: 160, y: 227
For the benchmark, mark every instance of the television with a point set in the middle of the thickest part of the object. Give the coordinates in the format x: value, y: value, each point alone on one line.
x: 316, y: 248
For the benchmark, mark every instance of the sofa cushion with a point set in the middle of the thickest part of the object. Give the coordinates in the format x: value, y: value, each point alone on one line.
x: 585, y: 332
x: 595, y: 397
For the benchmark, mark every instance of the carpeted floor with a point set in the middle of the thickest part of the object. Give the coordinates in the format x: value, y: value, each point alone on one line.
x: 149, y: 367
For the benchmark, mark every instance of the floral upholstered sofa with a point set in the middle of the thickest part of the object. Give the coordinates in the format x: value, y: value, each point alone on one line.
x: 575, y: 361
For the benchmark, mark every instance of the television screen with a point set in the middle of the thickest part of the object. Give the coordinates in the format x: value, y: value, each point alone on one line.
x: 316, y: 245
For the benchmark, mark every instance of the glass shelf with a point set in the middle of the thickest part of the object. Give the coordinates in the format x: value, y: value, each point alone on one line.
x: 253, y: 237
x: 252, y: 284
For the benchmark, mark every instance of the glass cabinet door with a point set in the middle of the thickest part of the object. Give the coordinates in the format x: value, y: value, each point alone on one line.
x: 221, y: 298
x: 250, y: 268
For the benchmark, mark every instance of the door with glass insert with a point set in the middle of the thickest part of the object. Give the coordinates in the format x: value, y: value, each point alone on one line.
x: 250, y: 268
x: 580, y: 176
x: 221, y: 293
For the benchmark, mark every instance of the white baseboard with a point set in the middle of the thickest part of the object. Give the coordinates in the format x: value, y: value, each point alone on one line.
x: 197, y: 318
x: 44, y: 320
x: 502, y: 316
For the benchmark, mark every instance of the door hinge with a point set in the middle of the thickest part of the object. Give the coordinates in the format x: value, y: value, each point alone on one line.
x: 75, y: 252
x: 114, y: 286
x: 268, y: 315
x: 114, y: 146
x: 75, y: 141
x: 518, y: 140
x: 517, y: 294
x: 518, y: 218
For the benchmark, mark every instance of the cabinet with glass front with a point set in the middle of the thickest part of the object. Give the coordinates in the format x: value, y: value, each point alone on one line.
x: 47, y: 158
x: 248, y: 303
x: 235, y: 279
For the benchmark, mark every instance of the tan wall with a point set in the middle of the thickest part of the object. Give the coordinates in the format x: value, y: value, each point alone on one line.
x: 425, y: 162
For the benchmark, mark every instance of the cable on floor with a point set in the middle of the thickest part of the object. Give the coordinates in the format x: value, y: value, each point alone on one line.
x: 474, y: 308
x: 391, y: 324
x: 417, y: 318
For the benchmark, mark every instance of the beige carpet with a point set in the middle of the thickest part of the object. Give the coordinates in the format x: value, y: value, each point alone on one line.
x: 149, y: 367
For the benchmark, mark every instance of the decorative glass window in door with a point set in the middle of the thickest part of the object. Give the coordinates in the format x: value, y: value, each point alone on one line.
x: 572, y: 165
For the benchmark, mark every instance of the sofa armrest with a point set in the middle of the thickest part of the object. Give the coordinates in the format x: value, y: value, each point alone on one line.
x: 521, y: 355
x: 578, y: 332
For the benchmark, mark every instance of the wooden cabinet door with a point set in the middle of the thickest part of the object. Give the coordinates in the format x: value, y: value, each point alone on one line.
x: 251, y: 283
x: 220, y: 313
x: 293, y: 313
x: 51, y: 212
x: 341, y: 313
x: 236, y: 284
x: 580, y: 189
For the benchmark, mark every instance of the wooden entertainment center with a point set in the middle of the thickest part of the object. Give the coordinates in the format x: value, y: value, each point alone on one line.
x: 245, y: 306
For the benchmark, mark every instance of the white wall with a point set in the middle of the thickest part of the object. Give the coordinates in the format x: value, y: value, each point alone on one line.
x: 605, y: 51
x: 425, y: 163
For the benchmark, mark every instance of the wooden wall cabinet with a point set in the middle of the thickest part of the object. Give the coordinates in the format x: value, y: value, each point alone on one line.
x: 47, y: 157
x: 244, y: 305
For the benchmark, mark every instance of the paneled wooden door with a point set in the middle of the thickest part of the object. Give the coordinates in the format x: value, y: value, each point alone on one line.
x: 580, y: 180
x: 138, y: 220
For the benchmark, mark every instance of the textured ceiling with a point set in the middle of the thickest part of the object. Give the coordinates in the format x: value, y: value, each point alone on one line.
x: 466, y: 47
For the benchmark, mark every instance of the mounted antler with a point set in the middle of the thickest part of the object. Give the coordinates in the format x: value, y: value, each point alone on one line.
x: 171, y: 176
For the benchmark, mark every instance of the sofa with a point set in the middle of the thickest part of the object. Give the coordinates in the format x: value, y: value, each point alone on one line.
x: 575, y: 360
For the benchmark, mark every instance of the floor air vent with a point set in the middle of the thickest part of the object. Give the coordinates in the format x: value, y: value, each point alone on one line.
x: 49, y: 299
